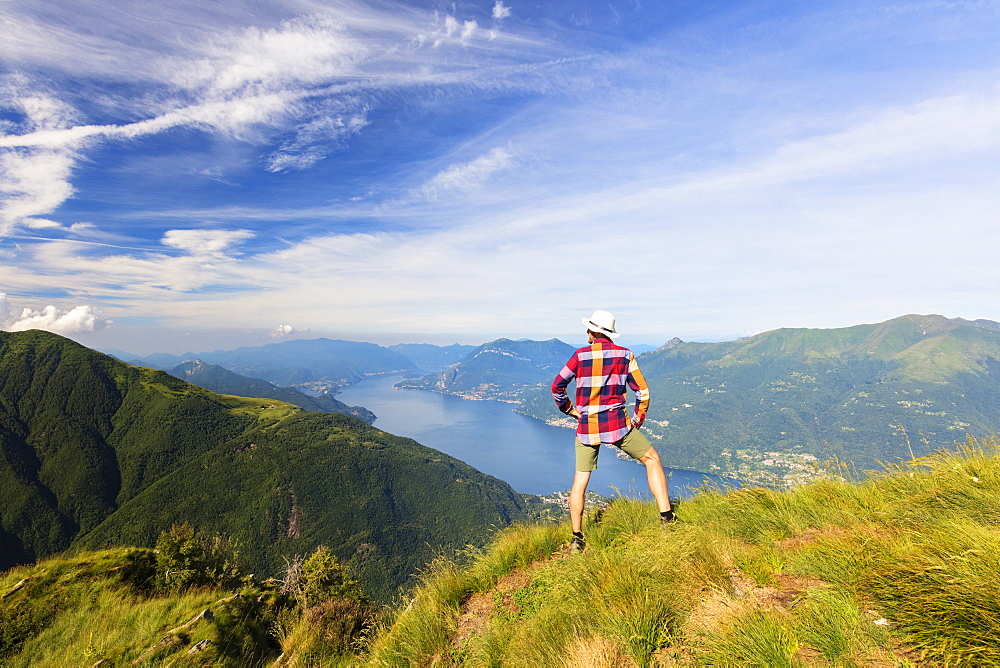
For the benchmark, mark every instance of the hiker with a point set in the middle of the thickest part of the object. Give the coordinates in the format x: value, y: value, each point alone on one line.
x: 603, y: 371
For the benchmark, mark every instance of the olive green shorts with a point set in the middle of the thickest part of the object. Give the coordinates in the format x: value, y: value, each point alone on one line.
x: 635, y: 445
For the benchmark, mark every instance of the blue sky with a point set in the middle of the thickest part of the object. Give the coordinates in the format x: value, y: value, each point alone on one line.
x: 190, y: 176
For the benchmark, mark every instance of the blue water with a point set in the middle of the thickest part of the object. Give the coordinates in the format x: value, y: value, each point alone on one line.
x: 531, y: 456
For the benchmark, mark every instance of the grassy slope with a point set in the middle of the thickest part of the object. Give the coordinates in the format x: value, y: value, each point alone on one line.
x: 101, y: 608
x: 899, y: 570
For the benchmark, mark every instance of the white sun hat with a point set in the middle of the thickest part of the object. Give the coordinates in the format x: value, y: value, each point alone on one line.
x: 601, y: 322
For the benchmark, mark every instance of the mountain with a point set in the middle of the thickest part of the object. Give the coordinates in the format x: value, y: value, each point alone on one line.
x: 215, y: 378
x: 862, y: 394
x: 429, y: 355
x: 502, y: 369
x: 318, y: 363
x: 96, y: 453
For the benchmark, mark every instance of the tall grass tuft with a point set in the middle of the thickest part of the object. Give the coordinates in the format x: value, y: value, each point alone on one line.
x: 421, y: 632
x: 757, y: 638
x: 514, y: 548
x: 943, y: 591
x: 832, y: 623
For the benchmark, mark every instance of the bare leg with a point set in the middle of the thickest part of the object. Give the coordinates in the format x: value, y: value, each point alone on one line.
x: 576, y: 499
x: 656, y: 477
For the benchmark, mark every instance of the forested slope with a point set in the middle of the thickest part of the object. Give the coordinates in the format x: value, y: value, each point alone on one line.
x: 97, y: 452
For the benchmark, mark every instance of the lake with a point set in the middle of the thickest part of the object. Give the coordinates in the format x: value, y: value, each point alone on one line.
x: 529, y: 455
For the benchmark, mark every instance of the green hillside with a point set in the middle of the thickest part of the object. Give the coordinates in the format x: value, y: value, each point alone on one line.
x: 94, y: 452
x: 384, y: 503
x: 898, y: 570
x: 218, y: 379
x: 124, y: 607
x: 768, y: 405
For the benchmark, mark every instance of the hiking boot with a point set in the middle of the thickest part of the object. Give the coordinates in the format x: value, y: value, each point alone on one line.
x: 667, y: 517
x: 577, y: 543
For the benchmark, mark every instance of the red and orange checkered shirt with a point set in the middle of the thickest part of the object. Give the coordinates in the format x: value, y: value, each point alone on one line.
x: 603, y: 373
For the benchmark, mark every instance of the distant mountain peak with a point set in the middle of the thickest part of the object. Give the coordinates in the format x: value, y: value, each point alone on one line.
x: 672, y: 343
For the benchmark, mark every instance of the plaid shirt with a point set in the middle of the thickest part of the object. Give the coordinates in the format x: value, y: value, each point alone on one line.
x: 603, y: 372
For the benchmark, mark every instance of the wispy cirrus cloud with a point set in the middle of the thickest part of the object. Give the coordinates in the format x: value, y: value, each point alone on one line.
x: 35, y: 181
x: 312, y: 75
x: 468, y: 175
x: 295, y: 54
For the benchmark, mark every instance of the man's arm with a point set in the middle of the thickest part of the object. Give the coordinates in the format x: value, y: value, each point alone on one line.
x: 638, y: 384
x: 559, y: 385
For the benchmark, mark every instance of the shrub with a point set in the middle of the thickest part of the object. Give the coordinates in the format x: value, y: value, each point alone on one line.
x: 185, y: 558
x: 325, y: 578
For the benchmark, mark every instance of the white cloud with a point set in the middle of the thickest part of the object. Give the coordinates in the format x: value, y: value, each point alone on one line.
x: 34, y: 181
x: 204, y: 242
x: 500, y: 11
x: 85, y: 40
x: 283, y: 161
x: 468, y: 176
x: 456, y: 31
x: 282, y: 331
x: 302, y: 51
x: 468, y: 30
x: 145, y: 277
x: 76, y: 320
x: 42, y: 111
x: 328, y: 130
